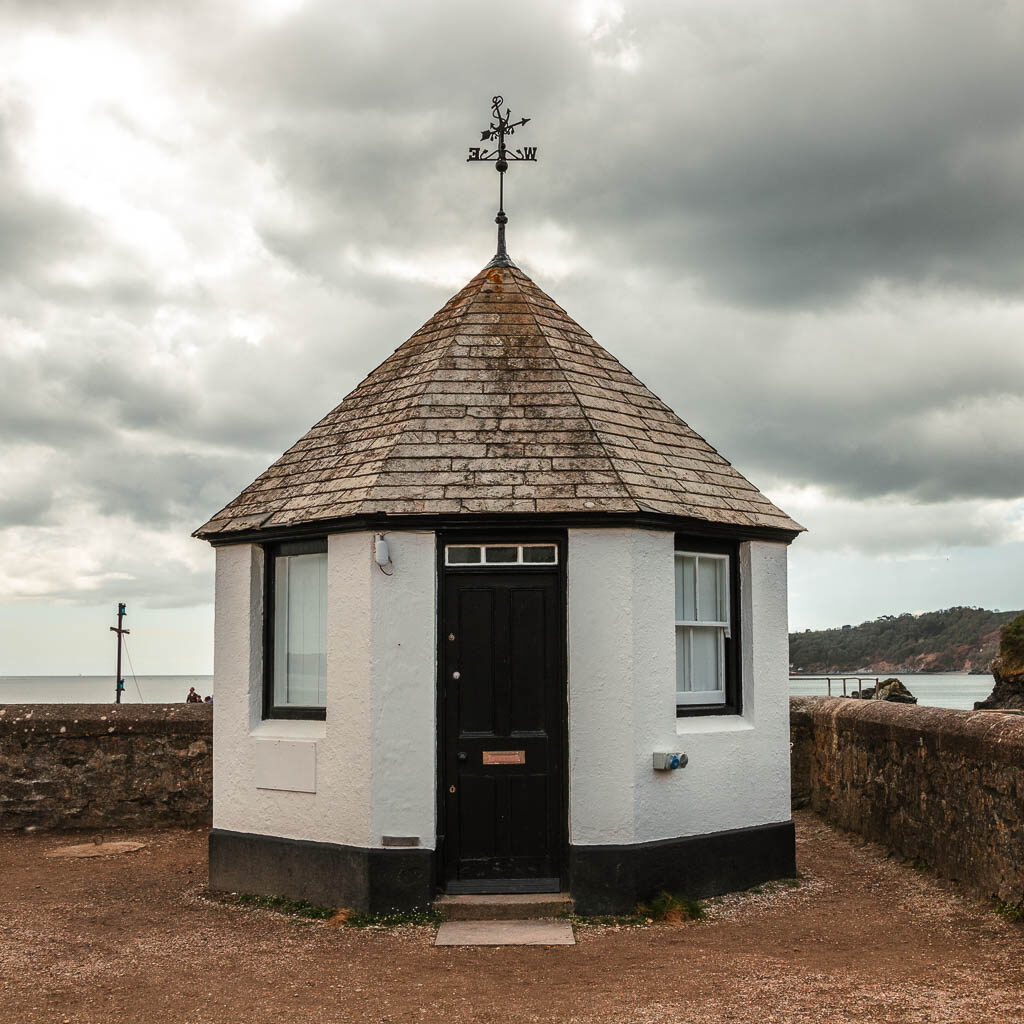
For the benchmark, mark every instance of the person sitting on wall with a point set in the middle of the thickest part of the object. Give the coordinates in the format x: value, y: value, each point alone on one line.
x: 193, y: 697
x: 207, y: 700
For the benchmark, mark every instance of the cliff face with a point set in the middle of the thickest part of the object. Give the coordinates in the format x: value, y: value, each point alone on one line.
x: 1008, y: 670
x: 952, y: 640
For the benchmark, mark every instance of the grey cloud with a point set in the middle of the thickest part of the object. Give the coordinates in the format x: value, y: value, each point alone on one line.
x: 796, y: 437
x: 33, y: 227
x: 892, y: 465
x: 403, y: 60
x: 156, y: 489
x: 167, y: 585
x: 771, y: 167
x: 901, y: 529
x: 815, y: 169
x: 778, y: 175
x: 28, y: 503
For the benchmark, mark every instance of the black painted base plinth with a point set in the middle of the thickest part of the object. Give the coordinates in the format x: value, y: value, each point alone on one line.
x: 603, y: 879
x: 327, y: 874
x: 614, y: 879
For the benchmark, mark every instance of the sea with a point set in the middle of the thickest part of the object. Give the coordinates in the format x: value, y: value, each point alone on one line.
x: 100, y: 689
x: 932, y: 689
x: 937, y: 690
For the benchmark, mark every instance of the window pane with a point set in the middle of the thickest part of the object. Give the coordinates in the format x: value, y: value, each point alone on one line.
x: 707, y: 653
x: 700, y: 654
x: 711, y: 589
x: 300, y: 630
x: 463, y: 555
x: 686, y: 572
x: 682, y: 659
x: 509, y: 554
x: 539, y: 553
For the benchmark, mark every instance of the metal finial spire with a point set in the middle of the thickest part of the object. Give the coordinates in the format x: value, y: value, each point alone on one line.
x: 500, y: 126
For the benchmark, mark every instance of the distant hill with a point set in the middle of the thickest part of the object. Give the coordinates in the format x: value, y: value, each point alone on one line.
x: 951, y: 640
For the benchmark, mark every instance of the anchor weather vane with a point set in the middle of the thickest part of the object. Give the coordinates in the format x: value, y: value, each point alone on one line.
x: 501, y: 126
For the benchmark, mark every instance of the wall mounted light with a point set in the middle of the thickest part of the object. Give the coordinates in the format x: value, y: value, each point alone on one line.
x: 382, y: 555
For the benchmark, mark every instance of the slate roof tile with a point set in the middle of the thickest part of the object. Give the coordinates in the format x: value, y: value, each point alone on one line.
x: 499, y: 403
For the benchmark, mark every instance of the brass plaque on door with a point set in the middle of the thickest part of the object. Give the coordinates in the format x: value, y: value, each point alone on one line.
x: 504, y: 757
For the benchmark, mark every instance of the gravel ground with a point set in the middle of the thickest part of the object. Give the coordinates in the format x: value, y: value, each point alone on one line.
x: 131, y: 937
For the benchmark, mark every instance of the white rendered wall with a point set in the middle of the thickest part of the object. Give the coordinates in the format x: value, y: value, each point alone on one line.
x: 375, y: 753
x: 375, y: 757
x: 621, y: 608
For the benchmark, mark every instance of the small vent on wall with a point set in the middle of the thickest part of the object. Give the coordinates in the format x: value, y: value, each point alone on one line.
x: 400, y: 840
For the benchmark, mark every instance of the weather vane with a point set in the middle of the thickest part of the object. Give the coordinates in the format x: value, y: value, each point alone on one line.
x: 501, y: 125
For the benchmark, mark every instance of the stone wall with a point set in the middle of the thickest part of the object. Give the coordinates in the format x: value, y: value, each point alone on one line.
x: 945, y: 787
x: 105, y: 766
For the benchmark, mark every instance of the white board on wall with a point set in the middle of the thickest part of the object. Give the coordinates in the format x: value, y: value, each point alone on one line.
x: 288, y: 765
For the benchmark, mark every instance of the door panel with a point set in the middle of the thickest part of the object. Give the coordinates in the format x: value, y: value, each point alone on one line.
x: 474, y: 624
x: 527, y: 628
x: 503, y: 700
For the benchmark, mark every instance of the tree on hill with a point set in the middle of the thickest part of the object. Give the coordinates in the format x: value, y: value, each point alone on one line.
x: 959, y: 639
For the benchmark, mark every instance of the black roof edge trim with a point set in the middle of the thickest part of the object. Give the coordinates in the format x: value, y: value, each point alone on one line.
x: 483, y: 521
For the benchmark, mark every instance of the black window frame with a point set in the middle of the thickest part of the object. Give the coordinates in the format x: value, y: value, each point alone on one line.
x: 733, y: 674
x: 271, y: 552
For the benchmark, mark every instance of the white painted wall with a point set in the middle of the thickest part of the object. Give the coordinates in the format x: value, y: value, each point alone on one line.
x: 622, y: 697
x: 374, y: 758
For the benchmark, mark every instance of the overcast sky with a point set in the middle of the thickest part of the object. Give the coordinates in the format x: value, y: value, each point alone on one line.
x: 801, y: 223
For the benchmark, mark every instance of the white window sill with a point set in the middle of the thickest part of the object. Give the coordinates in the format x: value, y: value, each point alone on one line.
x: 703, y: 724
x: 290, y: 729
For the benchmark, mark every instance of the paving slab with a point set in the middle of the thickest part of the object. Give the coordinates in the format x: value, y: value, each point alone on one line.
x: 505, y: 933
x: 100, y: 849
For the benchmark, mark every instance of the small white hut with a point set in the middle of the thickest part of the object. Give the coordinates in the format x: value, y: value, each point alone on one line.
x: 466, y: 621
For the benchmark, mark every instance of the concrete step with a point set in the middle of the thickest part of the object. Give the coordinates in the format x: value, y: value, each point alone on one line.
x: 504, y: 906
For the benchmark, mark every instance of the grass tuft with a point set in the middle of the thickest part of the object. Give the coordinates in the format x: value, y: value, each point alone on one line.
x: 670, y: 908
x: 393, y: 918
x: 1009, y: 911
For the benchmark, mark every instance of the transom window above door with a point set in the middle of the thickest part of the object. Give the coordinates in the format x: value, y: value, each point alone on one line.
x: 500, y: 554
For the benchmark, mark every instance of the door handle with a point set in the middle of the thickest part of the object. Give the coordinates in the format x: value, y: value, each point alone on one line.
x: 462, y: 756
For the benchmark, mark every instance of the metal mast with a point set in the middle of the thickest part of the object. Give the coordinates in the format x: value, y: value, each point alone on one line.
x: 121, y: 633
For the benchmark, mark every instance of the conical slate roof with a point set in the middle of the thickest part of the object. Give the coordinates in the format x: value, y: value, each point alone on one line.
x: 500, y: 403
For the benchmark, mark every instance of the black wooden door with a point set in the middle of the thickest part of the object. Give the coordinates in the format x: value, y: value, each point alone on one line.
x: 503, y: 700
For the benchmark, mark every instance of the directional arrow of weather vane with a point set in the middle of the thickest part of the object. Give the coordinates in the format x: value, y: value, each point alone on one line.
x: 500, y: 127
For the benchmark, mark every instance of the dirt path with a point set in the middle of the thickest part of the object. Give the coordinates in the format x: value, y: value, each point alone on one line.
x: 129, y: 938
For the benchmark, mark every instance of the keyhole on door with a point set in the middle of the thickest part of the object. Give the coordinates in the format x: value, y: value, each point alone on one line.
x: 456, y: 675
x: 451, y: 789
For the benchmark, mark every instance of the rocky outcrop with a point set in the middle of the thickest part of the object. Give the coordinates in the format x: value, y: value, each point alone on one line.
x: 1007, y: 671
x: 888, y: 689
x: 893, y: 690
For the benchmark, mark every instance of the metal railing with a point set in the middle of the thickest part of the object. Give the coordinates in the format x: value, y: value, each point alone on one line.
x: 829, y: 680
